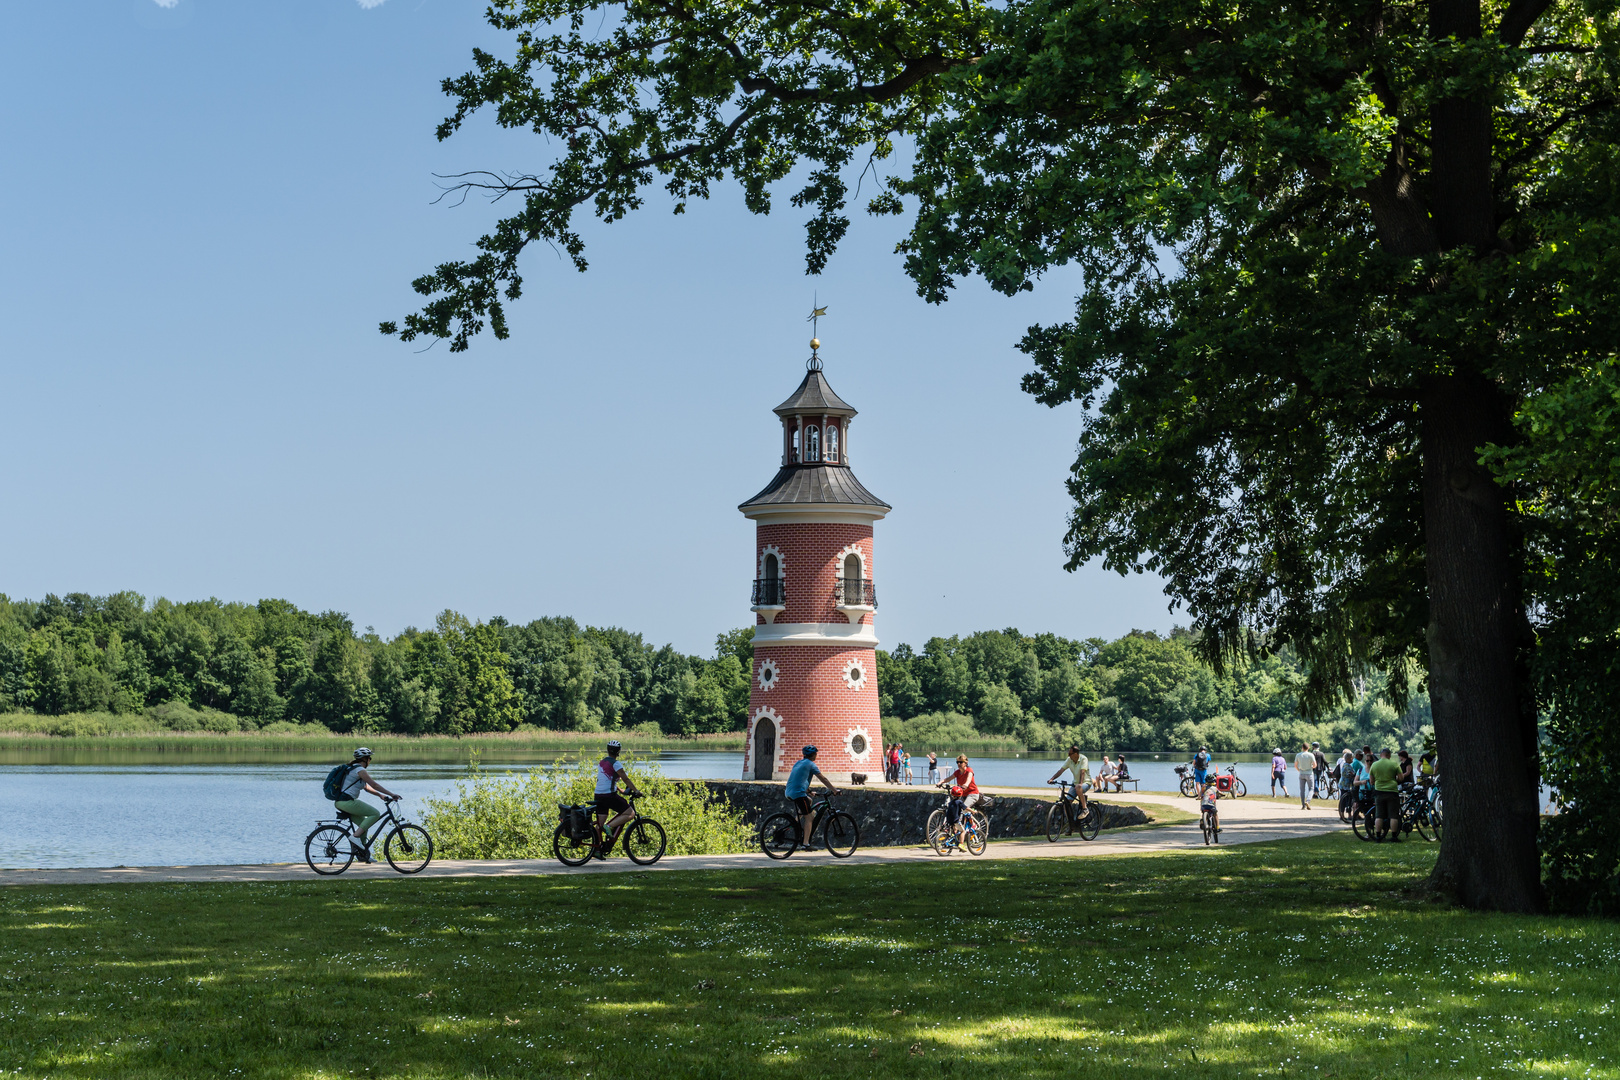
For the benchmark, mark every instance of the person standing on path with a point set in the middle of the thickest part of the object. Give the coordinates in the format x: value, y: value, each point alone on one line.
x: 362, y: 814
x: 905, y: 766
x: 1386, y: 780
x: 894, y: 764
x: 1305, y: 765
x: 1321, y: 767
x: 933, y: 767
x: 1279, y: 771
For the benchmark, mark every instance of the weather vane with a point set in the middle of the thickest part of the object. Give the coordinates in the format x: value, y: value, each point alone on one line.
x: 814, y: 363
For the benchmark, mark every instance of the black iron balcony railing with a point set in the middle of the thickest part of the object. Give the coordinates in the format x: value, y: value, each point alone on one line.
x: 770, y: 591
x: 854, y: 592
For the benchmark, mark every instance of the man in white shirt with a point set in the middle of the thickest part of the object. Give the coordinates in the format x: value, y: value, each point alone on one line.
x: 1305, y: 765
x: 1078, y: 766
x: 1105, y: 773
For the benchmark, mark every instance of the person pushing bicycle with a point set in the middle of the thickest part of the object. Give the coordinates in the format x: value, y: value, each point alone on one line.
x: 798, y: 788
x: 362, y: 814
x: 608, y: 800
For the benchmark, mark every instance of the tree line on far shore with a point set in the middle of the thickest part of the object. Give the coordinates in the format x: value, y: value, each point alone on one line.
x: 260, y: 666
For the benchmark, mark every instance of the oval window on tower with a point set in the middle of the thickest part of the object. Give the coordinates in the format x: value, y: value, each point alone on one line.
x: 812, y: 443
x: 832, y: 442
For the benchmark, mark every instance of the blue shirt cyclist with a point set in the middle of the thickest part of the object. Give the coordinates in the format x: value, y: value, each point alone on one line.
x: 798, y: 787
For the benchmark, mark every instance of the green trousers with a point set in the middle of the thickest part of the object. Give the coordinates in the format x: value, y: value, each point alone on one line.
x: 364, y: 814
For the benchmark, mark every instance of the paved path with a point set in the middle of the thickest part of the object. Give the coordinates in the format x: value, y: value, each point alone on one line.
x: 1243, y: 821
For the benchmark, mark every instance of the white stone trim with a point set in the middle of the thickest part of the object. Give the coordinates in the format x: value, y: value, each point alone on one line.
x: 855, y: 550
x: 849, y: 744
x: 771, y: 666
x: 815, y: 514
x: 765, y: 712
x: 781, y: 561
x: 854, y: 674
x: 840, y: 635
x: 853, y: 612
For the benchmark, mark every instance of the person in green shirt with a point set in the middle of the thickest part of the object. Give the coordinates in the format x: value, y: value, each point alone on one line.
x: 1386, y: 781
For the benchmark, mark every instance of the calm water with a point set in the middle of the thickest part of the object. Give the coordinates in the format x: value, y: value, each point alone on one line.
x: 66, y: 815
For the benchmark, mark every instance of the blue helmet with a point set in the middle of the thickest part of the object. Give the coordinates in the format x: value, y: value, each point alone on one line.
x: 811, y: 751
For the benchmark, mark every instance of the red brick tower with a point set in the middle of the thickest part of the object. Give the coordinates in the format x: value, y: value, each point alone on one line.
x: 815, y: 669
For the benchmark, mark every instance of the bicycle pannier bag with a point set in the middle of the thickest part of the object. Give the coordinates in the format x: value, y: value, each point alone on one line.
x: 575, y: 825
x: 333, y: 787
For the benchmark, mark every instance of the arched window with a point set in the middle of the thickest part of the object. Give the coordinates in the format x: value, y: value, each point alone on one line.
x: 770, y: 568
x: 812, y: 443
x: 795, y: 445
x: 854, y: 587
x: 832, y: 442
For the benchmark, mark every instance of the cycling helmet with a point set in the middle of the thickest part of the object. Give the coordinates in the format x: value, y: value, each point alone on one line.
x: 1203, y: 749
x: 956, y: 791
x: 613, y: 748
x: 1276, y: 749
x: 362, y: 751
x: 811, y: 751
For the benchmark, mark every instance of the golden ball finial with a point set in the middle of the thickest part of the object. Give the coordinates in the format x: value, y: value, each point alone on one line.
x: 815, y: 343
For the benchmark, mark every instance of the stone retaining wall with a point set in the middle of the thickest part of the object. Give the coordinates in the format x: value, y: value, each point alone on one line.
x: 888, y: 818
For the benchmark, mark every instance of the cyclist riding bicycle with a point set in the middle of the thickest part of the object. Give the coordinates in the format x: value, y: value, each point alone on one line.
x: 1209, y: 801
x: 1079, y: 770
x: 798, y: 787
x: 363, y: 815
x: 963, y: 778
x: 608, y: 800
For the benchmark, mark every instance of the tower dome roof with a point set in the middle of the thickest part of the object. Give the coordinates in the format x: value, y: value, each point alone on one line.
x: 814, y: 396
x: 813, y: 485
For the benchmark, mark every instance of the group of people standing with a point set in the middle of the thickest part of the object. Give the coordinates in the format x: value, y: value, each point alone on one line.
x: 897, y: 765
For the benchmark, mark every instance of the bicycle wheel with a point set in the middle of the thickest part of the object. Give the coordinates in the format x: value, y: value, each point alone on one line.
x: 1240, y: 787
x: 842, y: 834
x: 779, y: 835
x: 1215, y: 829
x: 1434, y: 821
x: 570, y: 852
x: 408, y: 849
x: 1088, y: 824
x: 644, y: 841
x: 973, y: 838
x: 1362, y: 822
x: 1203, y: 826
x: 1420, y: 822
x: 1187, y: 787
x: 327, y: 850
x: 1057, y: 821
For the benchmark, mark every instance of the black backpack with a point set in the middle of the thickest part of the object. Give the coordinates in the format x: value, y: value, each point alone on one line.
x: 333, y: 787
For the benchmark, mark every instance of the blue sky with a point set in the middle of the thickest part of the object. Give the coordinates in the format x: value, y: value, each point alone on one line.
x: 211, y: 205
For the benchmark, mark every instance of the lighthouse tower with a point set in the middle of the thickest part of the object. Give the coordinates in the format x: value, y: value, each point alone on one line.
x: 815, y: 666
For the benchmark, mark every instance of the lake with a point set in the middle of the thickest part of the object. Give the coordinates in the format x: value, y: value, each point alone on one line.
x: 103, y: 812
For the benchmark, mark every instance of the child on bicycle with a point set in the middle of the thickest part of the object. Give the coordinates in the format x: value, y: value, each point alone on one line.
x: 962, y: 778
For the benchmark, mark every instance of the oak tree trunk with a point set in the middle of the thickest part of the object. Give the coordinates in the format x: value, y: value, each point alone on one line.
x: 1484, y: 722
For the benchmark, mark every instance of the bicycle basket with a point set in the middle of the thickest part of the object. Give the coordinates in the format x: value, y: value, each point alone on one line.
x: 575, y: 824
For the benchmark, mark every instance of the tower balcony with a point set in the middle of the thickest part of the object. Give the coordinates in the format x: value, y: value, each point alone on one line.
x: 854, y: 597
x: 770, y: 596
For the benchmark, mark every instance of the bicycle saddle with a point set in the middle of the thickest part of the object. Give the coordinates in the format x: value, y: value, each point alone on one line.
x: 343, y: 815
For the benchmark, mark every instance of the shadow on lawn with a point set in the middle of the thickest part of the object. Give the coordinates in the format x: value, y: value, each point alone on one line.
x: 1309, y: 957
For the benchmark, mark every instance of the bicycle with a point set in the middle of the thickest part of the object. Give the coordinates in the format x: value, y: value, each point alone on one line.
x: 1209, y: 823
x: 975, y: 832
x: 407, y: 847
x: 781, y: 834
x: 1061, y: 818
x: 1418, y: 813
x: 641, y: 837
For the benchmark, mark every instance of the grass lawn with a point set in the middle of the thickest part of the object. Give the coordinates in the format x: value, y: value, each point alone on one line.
x: 1308, y: 958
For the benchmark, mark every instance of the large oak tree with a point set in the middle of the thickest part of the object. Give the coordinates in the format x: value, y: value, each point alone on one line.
x: 1330, y: 248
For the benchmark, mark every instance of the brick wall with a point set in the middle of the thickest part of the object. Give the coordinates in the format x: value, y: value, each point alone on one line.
x: 813, y: 703
x: 811, y: 561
